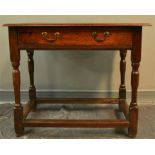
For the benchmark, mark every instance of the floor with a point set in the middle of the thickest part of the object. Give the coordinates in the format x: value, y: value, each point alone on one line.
x: 146, y: 126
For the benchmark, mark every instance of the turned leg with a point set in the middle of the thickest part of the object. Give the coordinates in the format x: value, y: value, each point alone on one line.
x: 32, y: 89
x: 133, y: 108
x: 122, y: 88
x: 15, y: 61
x: 135, y: 60
x: 18, y: 109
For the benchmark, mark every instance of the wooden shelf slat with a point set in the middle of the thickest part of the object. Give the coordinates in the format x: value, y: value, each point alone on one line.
x: 75, y: 123
x: 78, y: 100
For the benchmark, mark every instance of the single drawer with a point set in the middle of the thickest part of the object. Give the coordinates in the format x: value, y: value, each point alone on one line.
x: 75, y: 37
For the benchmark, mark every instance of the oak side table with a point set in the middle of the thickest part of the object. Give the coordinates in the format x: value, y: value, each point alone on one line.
x: 34, y: 36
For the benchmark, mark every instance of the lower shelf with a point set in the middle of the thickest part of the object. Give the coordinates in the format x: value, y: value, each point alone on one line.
x: 84, y: 123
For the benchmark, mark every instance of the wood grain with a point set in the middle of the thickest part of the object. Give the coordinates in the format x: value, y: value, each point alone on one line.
x: 75, y: 37
x: 74, y: 24
x: 75, y: 123
x: 15, y: 61
x: 122, y: 88
x: 135, y: 63
x: 78, y: 100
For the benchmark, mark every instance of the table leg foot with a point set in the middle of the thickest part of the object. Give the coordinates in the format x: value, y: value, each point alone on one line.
x: 18, y: 118
x: 19, y: 134
x: 133, y: 119
x: 132, y: 132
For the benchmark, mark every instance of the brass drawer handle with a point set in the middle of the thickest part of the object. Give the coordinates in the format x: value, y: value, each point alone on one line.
x: 45, y: 35
x: 105, y: 35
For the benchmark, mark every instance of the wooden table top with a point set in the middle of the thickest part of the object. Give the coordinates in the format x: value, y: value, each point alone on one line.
x: 73, y: 24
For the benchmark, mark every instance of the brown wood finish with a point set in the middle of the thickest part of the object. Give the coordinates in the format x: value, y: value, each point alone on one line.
x: 135, y: 60
x: 15, y: 61
x: 28, y: 107
x: 75, y: 123
x: 124, y: 107
x: 32, y: 89
x: 75, y: 24
x: 122, y: 88
x: 76, y: 36
x: 78, y: 100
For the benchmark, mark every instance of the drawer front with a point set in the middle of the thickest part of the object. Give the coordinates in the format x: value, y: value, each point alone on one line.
x: 75, y: 37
